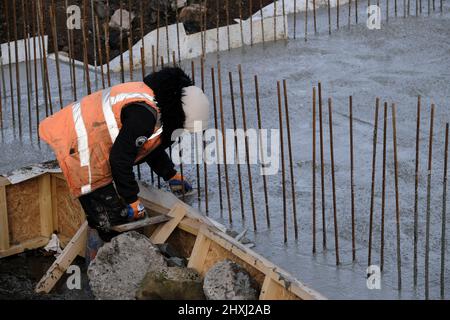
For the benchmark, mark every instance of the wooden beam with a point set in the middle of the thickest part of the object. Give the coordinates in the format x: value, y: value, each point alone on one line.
x: 163, y: 232
x: 59, y: 267
x: 45, y: 205
x: 4, y: 181
x: 26, y: 245
x: 4, y: 229
x: 199, y: 252
x: 141, y: 223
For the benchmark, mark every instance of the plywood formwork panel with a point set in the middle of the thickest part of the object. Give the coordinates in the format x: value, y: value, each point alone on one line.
x: 22, y: 201
x: 69, y: 214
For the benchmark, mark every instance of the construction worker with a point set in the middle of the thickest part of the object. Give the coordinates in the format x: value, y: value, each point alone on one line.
x: 99, y: 139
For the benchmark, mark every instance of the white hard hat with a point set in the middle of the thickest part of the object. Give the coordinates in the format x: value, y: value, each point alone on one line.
x: 196, y: 109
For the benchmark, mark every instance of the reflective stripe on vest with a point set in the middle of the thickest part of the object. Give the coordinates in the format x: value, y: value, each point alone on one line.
x: 83, y: 144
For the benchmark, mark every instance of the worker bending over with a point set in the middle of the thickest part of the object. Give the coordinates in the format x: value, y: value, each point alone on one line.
x: 99, y: 139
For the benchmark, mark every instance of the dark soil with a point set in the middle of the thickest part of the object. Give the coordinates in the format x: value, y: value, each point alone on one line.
x: 147, y: 9
x: 19, y: 275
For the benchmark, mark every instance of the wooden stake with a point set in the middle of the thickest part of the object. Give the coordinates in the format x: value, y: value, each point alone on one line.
x: 352, y: 179
x: 383, y: 187
x: 283, y: 175
x: 258, y: 111
x: 216, y: 126
x: 428, y: 212
x: 313, y: 167
x: 291, y: 161
x: 322, y: 170
x: 444, y: 214
x: 224, y: 147
x: 247, y: 156
x: 372, y: 192
x: 397, y: 205
x: 333, y: 182
x: 236, y: 145
x: 416, y: 194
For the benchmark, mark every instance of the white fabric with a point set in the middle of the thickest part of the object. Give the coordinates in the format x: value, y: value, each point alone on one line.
x: 196, y: 109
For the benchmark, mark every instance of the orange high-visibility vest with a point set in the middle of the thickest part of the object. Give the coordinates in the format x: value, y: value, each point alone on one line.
x: 82, y: 134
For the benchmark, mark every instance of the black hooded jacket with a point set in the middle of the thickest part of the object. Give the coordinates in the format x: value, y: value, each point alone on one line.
x: 138, y: 122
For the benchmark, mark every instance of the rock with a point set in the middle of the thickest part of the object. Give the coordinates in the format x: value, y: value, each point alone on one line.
x: 177, y: 262
x: 126, y: 22
x: 177, y: 4
x: 120, y: 266
x: 191, y: 16
x: 227, y: 280
x: 102, y: 10
x: 171, y: 283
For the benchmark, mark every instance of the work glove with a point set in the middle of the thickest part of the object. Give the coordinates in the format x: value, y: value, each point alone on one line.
x: 136, y: 211
x: 179, y: 185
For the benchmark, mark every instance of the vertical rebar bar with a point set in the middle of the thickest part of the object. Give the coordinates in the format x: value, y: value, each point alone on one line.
x: 291, y: 160
x: 56, y: 51
x: 107, y: 48
x: 205, y: 165
x: 227, y: 8
x: 349, y: 12
x: 197, y: 165
x: 352, y: 179
x: 46, y: 80
x: 27, y: 70
x: 166, y: 16
x: 216, y: 126
x: 100, y: 52
x: 314, y: 14
x: 444, y: 215
x: 313, y: 167
x: 329, y: 16
x: 262, y: 21
x: 322, y: 170
x: 247, y: 148
x: 236, y: 144
x: 283, y: 174
x: 356, y: 11
x: 306, y: 20
x: 428, y: 212
x: 250, y: 12
x: 258, y: 112
x: 337, y: 14
x: 130, y: 43
x: 11, y: 85
x: 275, y: 20
x: 383, y: 187
x: 16, y: 52
x: 416, y: 192
x: 295, y: 19
x: 372, y: 189
x: 36, y: 84
x: 333, y: 182
x: 397, y: 198
x: 224, y: 147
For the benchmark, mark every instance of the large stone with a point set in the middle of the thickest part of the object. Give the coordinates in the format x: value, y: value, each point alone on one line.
x: 191, y: 16
x: 126, y: 21
x: 120, y: 266
x: 172, y: 283
x: 227, y: 280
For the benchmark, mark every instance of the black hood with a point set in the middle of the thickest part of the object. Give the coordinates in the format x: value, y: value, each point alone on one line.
x: 168, y: 84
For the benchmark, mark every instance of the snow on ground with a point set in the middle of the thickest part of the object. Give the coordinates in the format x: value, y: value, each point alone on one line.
x: 406, y: 58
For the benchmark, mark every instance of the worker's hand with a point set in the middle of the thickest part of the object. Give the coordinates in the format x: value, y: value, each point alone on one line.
x: 178, y: 184
x: 136, y: 211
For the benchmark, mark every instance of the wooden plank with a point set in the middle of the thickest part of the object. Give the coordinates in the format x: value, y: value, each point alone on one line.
x: 45, y: 205
x: 4, y: 181
x: 190, y: 225
x: 54, y: 204
x: 26, y: 245
x: 59, y: 267
x: 199, y: 252
x: 4, y: 229
x: 163, y: 232
x: 141, y: 223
